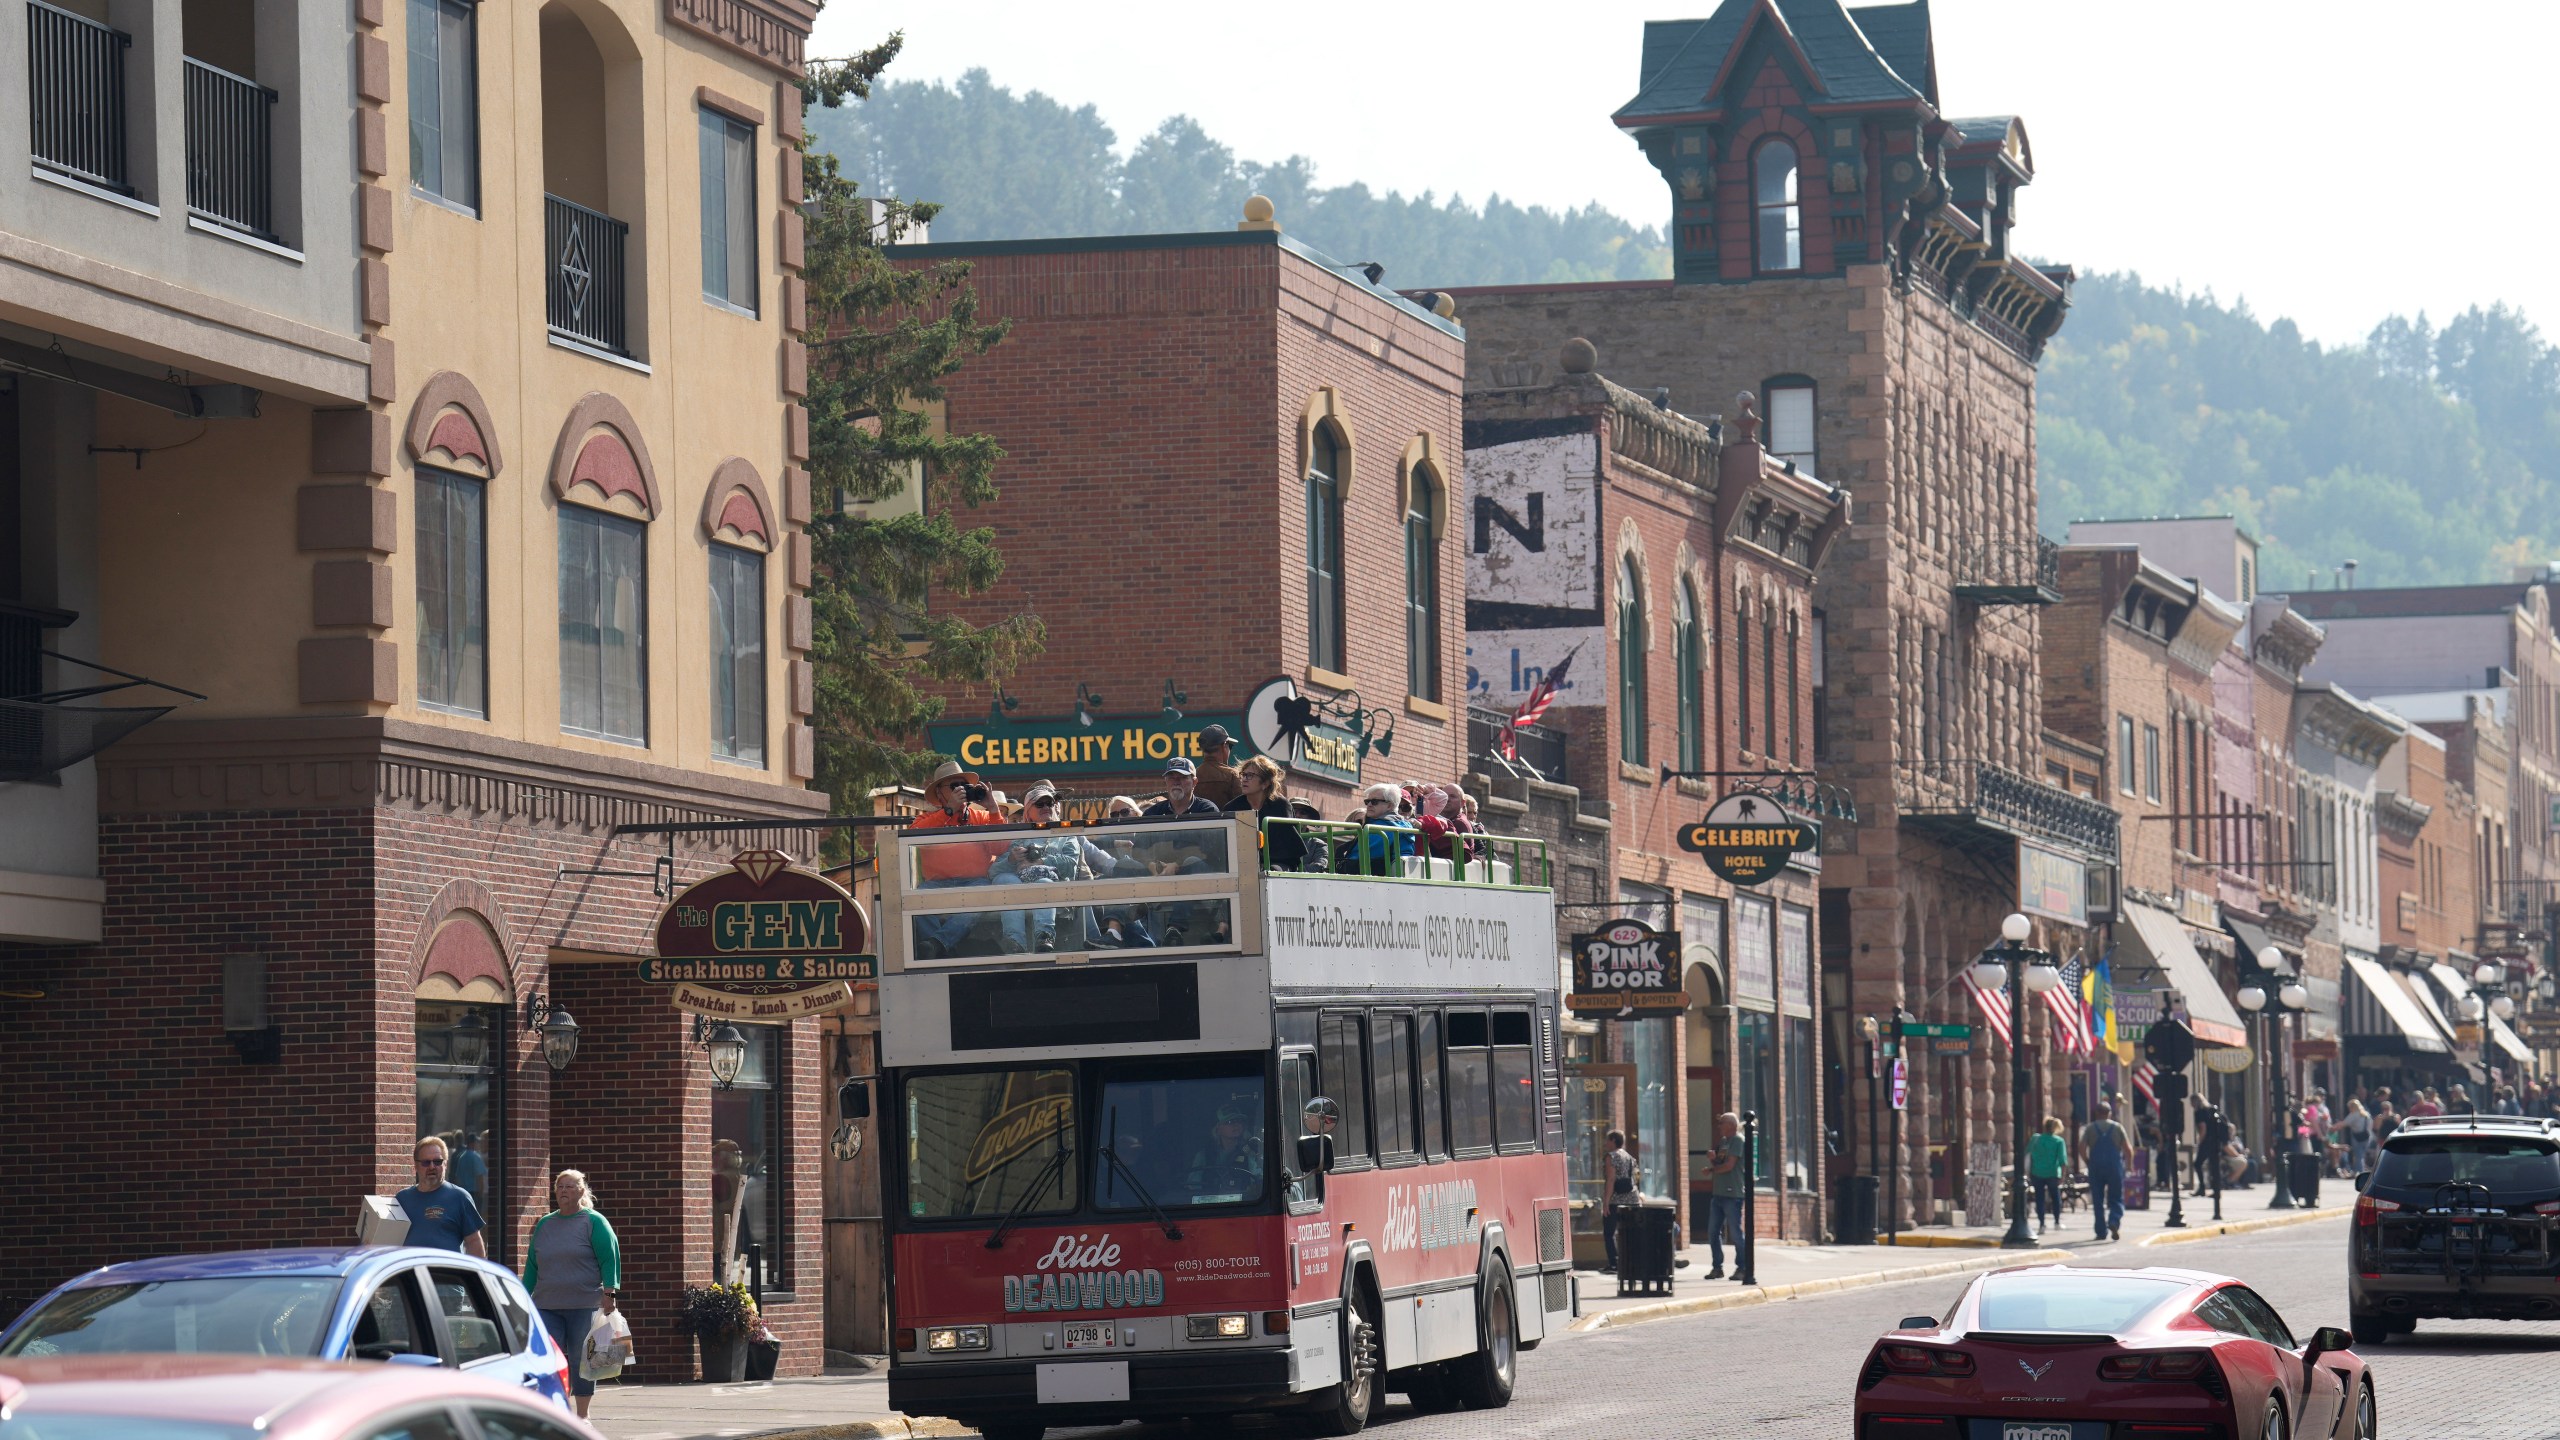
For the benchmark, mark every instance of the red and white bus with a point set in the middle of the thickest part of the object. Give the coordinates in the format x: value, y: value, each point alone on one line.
x: 1304, y: 1149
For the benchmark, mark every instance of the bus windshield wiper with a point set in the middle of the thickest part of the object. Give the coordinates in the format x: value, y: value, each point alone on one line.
x: 1111, y: 1153
x: 1040, y: 1182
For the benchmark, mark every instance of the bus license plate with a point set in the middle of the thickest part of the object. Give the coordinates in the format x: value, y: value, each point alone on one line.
x: 1092, y: 1337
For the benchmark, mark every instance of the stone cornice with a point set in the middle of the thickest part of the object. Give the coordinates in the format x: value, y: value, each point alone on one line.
x: 774, y: 33
x: 362, y: 762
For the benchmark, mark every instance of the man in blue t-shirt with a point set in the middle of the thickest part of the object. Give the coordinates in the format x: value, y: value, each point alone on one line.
x: 441, y: 1216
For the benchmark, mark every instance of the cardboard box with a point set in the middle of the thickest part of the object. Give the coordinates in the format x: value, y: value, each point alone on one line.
x: 381, y: 1221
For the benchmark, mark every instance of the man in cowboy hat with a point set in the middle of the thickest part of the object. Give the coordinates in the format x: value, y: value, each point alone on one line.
x: 940, y: 865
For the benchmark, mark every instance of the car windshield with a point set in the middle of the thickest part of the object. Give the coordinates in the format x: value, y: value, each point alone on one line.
x: 1183, y: 1137
x: 2512, y: 1167
x: 83, y: 1426
x: 231, y: 1315
x: 2067, y: 1303
x: 981, y: 1142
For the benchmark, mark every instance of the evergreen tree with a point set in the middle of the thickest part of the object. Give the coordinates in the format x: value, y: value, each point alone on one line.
x: 881, y: 339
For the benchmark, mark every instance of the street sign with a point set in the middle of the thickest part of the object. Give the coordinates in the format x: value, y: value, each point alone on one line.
x: 1951, y: 1045
x: 1944, y: 1030
x: 1901, y: 1083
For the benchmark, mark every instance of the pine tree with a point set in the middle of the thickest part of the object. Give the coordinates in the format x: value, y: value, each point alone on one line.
x: 881, y: 339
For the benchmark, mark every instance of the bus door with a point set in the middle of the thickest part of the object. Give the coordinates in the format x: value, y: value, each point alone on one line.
x: 1598, y: 1099
x: 1297, y: 1087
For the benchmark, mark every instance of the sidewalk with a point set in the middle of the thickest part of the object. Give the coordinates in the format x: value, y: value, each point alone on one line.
x: 840, y: 1406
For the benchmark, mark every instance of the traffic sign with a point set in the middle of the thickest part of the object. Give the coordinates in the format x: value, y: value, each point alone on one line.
x: 1942, y: 1030
x: 1901, y: 1083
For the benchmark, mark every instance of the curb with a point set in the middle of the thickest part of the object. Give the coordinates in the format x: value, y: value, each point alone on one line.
x: 893, y: 1427
x: 1731, y: 1300
x: 1914, y: 1239
x: 2243, y: 1227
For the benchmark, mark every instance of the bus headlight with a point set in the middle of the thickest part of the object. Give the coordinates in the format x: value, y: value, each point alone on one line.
x: 956, y: 1337
x: 1218, y: 1327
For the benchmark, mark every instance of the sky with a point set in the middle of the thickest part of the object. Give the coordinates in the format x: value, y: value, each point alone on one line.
x: 2331, y: 162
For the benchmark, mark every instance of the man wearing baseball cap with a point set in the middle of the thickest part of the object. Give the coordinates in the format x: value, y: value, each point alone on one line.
x: 1181, y: 801
x: 1219, y: 782
x: 1182, y: 791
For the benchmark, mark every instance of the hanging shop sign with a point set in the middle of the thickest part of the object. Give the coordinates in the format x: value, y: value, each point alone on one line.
x: 2226, y: 1059
x: 763, y: 940
x: 1293, y: 730
x: 1747, y: 838
x: 2053, y: 885
x: 1626, y: 966
x: 1067, y: 745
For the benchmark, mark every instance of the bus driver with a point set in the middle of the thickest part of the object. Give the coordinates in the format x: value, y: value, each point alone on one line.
x: 1231, y: 1163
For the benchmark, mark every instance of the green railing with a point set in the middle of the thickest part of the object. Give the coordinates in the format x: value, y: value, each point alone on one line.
x: 1353, y: 850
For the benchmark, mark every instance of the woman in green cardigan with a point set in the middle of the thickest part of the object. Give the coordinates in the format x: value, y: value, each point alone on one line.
x: 574, y: 1269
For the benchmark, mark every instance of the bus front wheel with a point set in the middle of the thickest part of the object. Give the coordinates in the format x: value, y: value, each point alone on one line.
x: 1483, y: 1381
x: 1344, y: 1409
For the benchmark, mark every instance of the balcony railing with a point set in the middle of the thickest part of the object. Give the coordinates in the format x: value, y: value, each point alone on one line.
x: 1540, y: 750
x: 1980, y: 796
x: 75, y: 76
x: 586, y: 274
x: 230, y: 149
x: 2010, y: 572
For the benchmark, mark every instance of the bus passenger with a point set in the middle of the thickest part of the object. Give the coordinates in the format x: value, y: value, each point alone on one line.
x: 1047, y: 859
x: 1284, y: 847
x: 945, y: 865
x: 1220, y: 782
x: 1231, y: 1162
x: 1379, y: 850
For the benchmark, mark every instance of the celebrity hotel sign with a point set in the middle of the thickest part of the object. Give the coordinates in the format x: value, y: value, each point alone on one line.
x: 762, y: 940
x: 1747, y: 838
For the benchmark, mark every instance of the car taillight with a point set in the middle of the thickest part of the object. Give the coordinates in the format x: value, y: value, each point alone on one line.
x: 2547, y: 1207
x: 1926, y: 1360
x: 2369, y: 1211
x: 1908, y: 1359
x: 2120, y: 1367
x: 2193, y: 1367
x: 1955, y: 1362
x: 2178, y: 1365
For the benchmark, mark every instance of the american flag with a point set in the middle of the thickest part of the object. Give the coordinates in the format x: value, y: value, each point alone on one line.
x: 2142, y: 1076
x: 1541, y: 695
x: 2070, y: 1016
x: 1995, y: 1006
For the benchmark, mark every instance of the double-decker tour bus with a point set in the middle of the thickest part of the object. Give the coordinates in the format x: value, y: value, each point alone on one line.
x: 1168, y: 1131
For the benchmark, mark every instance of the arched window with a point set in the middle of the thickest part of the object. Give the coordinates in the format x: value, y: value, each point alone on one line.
x: 1324, y: 550
x: 1742, y: 672
x: 1773, y: 196
x: 1688, y: 669
x: 1795, y: 693
x: 1769, y: 680
x: 1631, y: 688
x: 1422, y: 585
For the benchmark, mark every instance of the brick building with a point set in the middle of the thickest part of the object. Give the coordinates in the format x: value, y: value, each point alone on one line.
x: 1669, y: 564
x: 1843, y: 252
x: 1175, y: 410
x: 467, y: 515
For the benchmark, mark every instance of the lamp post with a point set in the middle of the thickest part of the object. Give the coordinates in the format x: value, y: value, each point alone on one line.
x: 2025, y: 970
x: 2268, y: 988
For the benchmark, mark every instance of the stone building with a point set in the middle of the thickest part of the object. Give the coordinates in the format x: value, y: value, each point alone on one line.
x: 431, y: 424
x: 1666, y: 566
x: 1844, y: 254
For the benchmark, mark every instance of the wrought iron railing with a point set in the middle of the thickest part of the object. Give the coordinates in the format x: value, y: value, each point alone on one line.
x: 230, y: 149
x: 75, y: 79
x: 1538, y: 751
x: 2010, y: 572
x: 2004, y: 800
x: 585, y: 250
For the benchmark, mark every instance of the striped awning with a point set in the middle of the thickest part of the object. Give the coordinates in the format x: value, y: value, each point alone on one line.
x: 2502, y: 1036
x: 2378, y: 1008
x: 2165, y: 942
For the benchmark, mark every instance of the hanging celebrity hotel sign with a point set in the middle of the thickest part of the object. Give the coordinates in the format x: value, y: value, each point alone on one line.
x: 763, y: 940
x: 1626, y: 966
x: 1747, y: 838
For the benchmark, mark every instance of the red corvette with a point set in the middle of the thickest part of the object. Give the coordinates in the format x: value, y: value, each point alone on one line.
x: 2049, y: 1352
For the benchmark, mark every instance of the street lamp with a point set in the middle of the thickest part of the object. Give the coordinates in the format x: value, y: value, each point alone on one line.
x: 726, y: 1048
x: 2287, y: 997
x: 2026, y: 970
x: 559, y: 1032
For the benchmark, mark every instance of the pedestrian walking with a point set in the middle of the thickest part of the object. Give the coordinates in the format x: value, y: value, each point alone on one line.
x: 1728, y: 1174
x: 1620, y: 1166
x: 2046, y: 1155
x: 573, y: 1266
x: 441, y: 1215
x: 2357, y: 1126
x: 2103, y: 1149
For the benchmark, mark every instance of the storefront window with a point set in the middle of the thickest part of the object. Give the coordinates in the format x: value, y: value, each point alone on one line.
x: 1648, y: 1044
x: 1755, y: 1077
x: 1800, y: 1110
x: 460, y: 1048
x: 1795, y: 995
x: 746, y: 1165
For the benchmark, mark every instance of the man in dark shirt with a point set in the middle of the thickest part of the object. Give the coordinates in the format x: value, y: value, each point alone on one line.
x: 1219, y: 782
x: 1189, y: 857
x: 1182, y: 791
x: 441, y: 1216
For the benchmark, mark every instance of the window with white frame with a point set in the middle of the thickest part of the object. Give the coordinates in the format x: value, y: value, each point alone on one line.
x: 1780, y: 228
x: 728, y: 211
x: 604, y: 643
x: 737, y: 654
x: 444, y: 100
x: 1790, y: 406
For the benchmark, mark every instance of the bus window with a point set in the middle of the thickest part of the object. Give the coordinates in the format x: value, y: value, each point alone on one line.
x: 980, y: 1142
x: 1392, y: 1056
x: 1185, y: 1133
x: 1345, y: 1072
x: 1428, y: 1067
x: 1297, y: 1087
x: 1515, y: 1081
x: 1470, y: 1082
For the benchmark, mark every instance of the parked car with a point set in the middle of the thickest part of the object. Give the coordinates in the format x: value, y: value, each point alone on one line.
x: 409, y: 1307
x: 249, y: 1397
x: 2460, y: 1216
x: 2055, y: 1351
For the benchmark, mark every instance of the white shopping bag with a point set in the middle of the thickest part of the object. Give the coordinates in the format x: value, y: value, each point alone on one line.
x: 608, y: 1346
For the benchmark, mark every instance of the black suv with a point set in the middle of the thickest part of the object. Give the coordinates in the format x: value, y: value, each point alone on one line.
x: 2461, y: 1218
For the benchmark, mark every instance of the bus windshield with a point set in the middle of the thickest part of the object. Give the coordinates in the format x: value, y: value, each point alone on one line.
x: 981, y: 1142
x: 1186, y: 1136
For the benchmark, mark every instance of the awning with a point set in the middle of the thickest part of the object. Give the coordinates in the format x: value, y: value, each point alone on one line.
x: 2377, y: 1006
x: 2425, y: 994
x: 2255, y: 941
x: 2165, y: 942
x: 2320, y: 1020
x: 2503, y: 1035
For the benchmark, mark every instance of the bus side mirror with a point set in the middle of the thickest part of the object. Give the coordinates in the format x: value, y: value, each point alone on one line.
x: 853, y: 1101
x: 1315, y: 1154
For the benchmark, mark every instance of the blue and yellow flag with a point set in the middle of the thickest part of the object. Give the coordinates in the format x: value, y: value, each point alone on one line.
x: 2097, y: 988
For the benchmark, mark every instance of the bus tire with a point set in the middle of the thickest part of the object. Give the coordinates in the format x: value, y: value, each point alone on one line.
x: 1344, y: 1409
x: 1483, y: 1380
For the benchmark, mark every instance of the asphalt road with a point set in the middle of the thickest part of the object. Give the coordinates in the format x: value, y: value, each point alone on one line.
x: 1789, y: 1369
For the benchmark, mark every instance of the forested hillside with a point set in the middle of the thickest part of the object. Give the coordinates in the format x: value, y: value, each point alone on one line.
x: 2428, y: 456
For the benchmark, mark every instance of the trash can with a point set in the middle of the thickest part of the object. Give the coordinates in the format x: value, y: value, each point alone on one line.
x: 2303, y: 1170
x: 1857, y: 1210
x: 1647, y: 1236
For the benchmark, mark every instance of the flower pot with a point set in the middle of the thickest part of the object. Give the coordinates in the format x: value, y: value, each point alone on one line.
x: 724, y: 1358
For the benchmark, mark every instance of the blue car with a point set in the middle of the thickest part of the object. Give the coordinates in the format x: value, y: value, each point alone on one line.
x: 396, y: 1304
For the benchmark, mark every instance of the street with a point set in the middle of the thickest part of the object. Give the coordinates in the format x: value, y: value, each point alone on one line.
x: 1788, y: 1369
